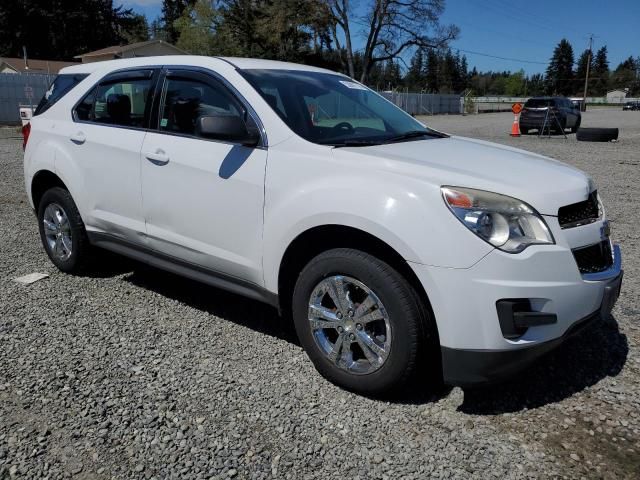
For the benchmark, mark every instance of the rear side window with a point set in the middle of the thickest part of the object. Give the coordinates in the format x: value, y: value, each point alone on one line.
x: 121, y: 103
x: 58, y: 89
x: 539, y: 103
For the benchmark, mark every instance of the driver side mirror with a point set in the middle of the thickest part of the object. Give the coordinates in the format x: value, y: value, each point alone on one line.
x: 229, y: 128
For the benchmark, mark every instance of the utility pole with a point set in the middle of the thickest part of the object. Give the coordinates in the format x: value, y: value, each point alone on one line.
x: 586, y: 79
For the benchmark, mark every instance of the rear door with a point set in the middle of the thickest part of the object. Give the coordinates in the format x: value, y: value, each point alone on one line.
x: 203, y: 199
x: 107, y: 133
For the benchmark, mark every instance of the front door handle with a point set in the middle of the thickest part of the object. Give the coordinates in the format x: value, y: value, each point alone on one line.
x: 78, y: 138
x: 159, y: 157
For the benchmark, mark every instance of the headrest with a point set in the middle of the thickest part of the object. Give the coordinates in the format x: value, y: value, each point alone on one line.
x: 118, y: 106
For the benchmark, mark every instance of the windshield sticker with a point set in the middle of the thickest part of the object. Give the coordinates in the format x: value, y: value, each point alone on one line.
x: 354, y: 85
x: 49, y: 92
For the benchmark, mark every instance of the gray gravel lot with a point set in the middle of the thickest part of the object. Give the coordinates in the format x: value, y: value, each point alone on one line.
x: 134, y: 373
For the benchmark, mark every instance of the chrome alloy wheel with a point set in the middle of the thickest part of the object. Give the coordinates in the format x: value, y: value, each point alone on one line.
x: 349, y: 324
x: 57, y: 231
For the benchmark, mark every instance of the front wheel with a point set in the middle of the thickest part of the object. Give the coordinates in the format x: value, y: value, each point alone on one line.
x: 361, y: 323
x: 62, y: 231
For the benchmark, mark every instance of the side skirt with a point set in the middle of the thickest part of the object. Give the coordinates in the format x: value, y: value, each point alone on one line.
x: 182, y: 268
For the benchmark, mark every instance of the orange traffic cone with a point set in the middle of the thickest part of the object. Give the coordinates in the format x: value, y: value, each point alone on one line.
x: 515, y: 128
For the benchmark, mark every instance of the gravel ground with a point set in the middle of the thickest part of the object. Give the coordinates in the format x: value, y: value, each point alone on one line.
x: 134, y: 373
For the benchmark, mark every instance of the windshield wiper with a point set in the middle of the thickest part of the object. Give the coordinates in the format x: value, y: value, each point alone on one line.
x: 356, y: 143
x: 416, y: 134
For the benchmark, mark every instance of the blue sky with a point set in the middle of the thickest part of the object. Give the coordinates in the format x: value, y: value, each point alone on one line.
x: 526, y: 30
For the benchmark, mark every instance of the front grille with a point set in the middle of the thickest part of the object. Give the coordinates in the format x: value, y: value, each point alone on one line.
x: 580, y: 213
x: 594, y: 258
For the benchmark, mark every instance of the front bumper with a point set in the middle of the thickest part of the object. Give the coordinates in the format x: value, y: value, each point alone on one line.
x: 472, y: 367
x: 474, y: 346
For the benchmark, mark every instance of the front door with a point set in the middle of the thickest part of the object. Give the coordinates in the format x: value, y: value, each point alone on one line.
x: 202, y: 199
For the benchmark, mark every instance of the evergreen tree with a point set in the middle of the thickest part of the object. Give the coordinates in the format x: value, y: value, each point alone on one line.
x: 560, y: 76
x: 586, y: 58
x: 61, y: 30
x: 431, y: 71
x: 600, y: 74
x: 414, y: 79
x: 625, y: 76
x: 535, y: 85
x: 172, y: 10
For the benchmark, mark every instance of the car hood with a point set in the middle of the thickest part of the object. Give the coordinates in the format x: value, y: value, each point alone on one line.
x: 542, y: 182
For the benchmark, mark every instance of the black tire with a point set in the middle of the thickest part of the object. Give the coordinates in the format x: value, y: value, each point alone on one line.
x: 597, y: 134
x: 80, y: 247
x: 413, y: 335
x: 575, y: 128
x: 524, y: 131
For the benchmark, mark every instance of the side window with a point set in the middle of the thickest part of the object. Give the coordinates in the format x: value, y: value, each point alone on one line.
x: 120, y: 103
x: 185, y: 100
x: 62, y: 85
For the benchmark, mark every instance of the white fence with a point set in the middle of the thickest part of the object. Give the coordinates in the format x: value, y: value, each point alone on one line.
x: 503, y: 104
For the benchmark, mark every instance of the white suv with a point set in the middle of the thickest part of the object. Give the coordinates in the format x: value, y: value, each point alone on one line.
x: 396, y: 249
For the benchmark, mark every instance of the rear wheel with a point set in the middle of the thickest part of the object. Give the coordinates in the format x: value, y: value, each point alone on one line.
x: 62, y: 231
x: 361, y: 323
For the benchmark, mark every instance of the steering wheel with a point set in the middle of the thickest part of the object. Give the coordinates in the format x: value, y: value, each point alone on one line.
x: 343, y: 126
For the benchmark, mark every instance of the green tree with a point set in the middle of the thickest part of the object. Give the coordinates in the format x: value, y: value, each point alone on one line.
x: 515, y: 84
x: 59, y: 30
x: 535, y: 85
x: 196, y: 29
x: 585, y: 59
x: 431, y: 70
x: 600, y: 74
x: 625, y: 76
x: 560, y: 75
x: 414, y: 79
x: 172, y: 11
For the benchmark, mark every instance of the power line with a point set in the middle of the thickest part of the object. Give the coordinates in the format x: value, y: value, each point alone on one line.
x: 499, y: 57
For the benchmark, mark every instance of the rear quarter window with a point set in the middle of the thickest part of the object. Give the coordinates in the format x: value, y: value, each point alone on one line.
x: 537, y: 103
x: 62, y: 85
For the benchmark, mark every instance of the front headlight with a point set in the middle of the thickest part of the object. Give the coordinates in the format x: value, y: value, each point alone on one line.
x: 505, y: 222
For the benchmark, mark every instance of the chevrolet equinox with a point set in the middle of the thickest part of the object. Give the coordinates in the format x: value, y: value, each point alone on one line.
x: 402, y: 254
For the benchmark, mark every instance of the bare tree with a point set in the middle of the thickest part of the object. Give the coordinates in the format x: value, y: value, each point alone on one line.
x: 389, y: 28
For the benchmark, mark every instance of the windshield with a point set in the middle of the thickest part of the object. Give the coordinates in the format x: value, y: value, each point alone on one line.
x: 331, y: 109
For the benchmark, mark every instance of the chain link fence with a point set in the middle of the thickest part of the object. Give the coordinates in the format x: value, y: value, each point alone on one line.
x: 426, y: 103
x: 20, y: 90
x: 26, y: 89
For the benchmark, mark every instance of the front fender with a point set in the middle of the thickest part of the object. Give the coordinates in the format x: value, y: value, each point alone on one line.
x: 407, y: 214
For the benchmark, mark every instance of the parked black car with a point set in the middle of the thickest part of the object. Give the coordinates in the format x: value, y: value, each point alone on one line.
x: 536, y: 109
x: 631, y: 106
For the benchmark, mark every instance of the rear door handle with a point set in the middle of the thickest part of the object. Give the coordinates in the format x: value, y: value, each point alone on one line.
x: 78, y: 138
x: 159, y: 157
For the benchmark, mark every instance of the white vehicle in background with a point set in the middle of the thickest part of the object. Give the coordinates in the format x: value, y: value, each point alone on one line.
x: 393, y: 247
